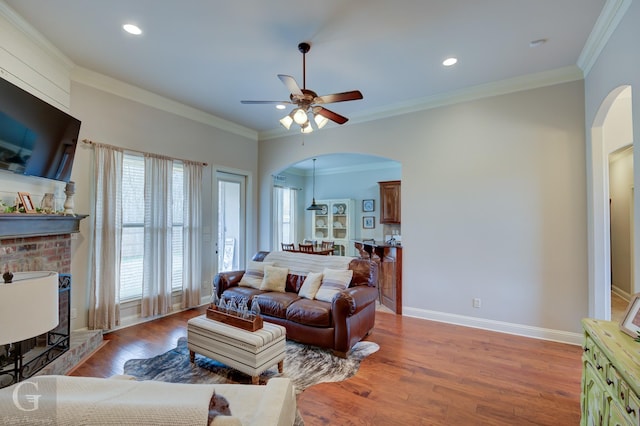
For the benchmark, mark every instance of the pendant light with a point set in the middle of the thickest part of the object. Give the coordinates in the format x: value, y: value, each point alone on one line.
x: 313, y: 205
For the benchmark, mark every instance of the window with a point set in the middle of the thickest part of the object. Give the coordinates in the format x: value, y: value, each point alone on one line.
x: 284, y: 216
x: 131, y: 262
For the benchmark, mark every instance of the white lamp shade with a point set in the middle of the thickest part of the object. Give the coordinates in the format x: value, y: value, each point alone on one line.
x: 28, y: 306
x: 286, y: 121
x: 320, y: 120
x: 300, y: 116
x: 306, y: 128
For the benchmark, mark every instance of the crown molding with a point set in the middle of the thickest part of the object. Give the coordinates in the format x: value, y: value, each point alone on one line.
x: 611, y: 15
x: 502, y: 87
x: 34, y: 35
x: 134, y: 93
x: 364, y: 167
x: 497, y: 88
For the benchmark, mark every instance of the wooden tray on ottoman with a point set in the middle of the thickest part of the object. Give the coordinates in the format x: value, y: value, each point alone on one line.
x: 246, y: 324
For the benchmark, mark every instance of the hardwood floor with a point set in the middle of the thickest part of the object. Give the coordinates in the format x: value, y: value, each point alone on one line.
x: 425, y: 373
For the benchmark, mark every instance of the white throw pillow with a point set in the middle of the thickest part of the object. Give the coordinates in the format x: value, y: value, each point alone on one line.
x: 333, y: 282
x: 275, y: 278
x: 253, y: 274
x: 310, y: 286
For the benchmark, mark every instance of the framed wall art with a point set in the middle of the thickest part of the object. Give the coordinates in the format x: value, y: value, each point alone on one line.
x: 368, y: 222
x: 368, y: 205
x: 630, y: 322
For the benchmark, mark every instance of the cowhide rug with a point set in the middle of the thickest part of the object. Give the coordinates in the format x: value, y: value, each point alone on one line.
x: 304, y: 365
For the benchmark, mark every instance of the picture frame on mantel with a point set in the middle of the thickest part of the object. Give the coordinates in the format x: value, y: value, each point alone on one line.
x: 630, y: 323
x: 27, y: 202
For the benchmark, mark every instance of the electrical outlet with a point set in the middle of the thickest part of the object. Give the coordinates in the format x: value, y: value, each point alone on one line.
x: 477, y: 302
x: 74, y: 313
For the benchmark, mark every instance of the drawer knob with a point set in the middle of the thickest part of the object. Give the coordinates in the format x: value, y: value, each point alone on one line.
x: 609, y: 381
x: 630, y: 410
x: 598, y: 366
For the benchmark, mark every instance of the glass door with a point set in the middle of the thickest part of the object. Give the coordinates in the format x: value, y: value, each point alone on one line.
x: 231, y: 221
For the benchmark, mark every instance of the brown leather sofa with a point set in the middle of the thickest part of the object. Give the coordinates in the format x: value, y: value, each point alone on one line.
x: 337, y: 325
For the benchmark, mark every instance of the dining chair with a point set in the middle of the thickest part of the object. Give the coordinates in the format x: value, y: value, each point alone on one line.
x: 305, y: 248
x: 288, y: 247
x: 326, y: 245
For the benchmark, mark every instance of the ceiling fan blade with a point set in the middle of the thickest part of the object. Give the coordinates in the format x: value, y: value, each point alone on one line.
x: 291, y: 84
x: 265, y: 102
x: 338, y: 97
x: 333, y: 116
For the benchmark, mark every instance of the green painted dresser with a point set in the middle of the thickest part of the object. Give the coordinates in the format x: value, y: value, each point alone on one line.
x: 610, y: 375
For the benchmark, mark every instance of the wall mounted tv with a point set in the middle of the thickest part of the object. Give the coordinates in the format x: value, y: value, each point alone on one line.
x: 36, y: 138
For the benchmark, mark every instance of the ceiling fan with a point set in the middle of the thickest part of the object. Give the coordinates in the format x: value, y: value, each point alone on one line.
x: 308, y: 102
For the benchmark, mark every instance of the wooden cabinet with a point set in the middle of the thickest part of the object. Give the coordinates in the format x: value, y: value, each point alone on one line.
x: 610, y: 375
x: 389, y: 261
x: 334, y: 223
x: 390, y: 201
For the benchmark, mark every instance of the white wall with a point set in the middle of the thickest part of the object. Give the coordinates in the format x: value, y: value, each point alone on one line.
x: 617, y: 67
x: 493, y: 196
x: 620, y: 194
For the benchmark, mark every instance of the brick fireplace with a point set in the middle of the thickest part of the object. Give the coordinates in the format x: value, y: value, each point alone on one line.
x: 46, y: 253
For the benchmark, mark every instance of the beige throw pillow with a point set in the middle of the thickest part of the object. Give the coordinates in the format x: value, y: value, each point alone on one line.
x: 333, y: 281
x: 253, y: 274
x: 310, y: 286
x: 275, y: 279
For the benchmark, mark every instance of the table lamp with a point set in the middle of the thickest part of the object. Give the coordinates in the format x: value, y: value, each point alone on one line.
x: 28, y: 308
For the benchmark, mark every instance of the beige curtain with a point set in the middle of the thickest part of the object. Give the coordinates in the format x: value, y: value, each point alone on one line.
x: 192, y: 234
x: 158, y: 222
x: 104, y: 308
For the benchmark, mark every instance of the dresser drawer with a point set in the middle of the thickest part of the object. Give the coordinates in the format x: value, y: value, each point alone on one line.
x: 629, y: 401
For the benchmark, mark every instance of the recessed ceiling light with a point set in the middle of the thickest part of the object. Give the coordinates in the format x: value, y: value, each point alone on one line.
x: 449, y: 61
x: 536, y: 43
x: 132, y: 29
x: 280, y: 106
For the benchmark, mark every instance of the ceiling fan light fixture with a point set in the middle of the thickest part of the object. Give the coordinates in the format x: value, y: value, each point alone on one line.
x: 320, y: 120
x: 306, y: 112
x: 286, y: 121
x: 306, y: 128
x: 300, y: 116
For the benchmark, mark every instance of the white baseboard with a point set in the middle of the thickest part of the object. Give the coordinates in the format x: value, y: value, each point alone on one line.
x: 617, y: 290
x: 499, y: 326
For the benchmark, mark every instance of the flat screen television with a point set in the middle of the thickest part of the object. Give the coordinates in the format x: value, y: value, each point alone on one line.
x: 36, y: 138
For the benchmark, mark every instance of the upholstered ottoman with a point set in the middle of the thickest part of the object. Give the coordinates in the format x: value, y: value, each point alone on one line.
x: 251, y: 352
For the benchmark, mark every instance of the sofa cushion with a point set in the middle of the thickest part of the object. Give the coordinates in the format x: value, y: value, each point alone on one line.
x: 333, y: 282
x: 253, y: 275
x: 275, y: 278
x: 241, y: 293
x: 275, y: 304
x: 314, y: 313
x: 310, y: 286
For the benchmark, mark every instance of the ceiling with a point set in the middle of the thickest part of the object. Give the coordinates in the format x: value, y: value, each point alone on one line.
x: 210, y: 54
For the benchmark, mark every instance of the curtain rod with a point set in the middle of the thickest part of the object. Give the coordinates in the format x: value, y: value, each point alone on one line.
x: 90, y: 142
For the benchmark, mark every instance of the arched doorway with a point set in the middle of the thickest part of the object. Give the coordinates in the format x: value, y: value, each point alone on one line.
x: 612, y: 130
x: 338, y: 176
